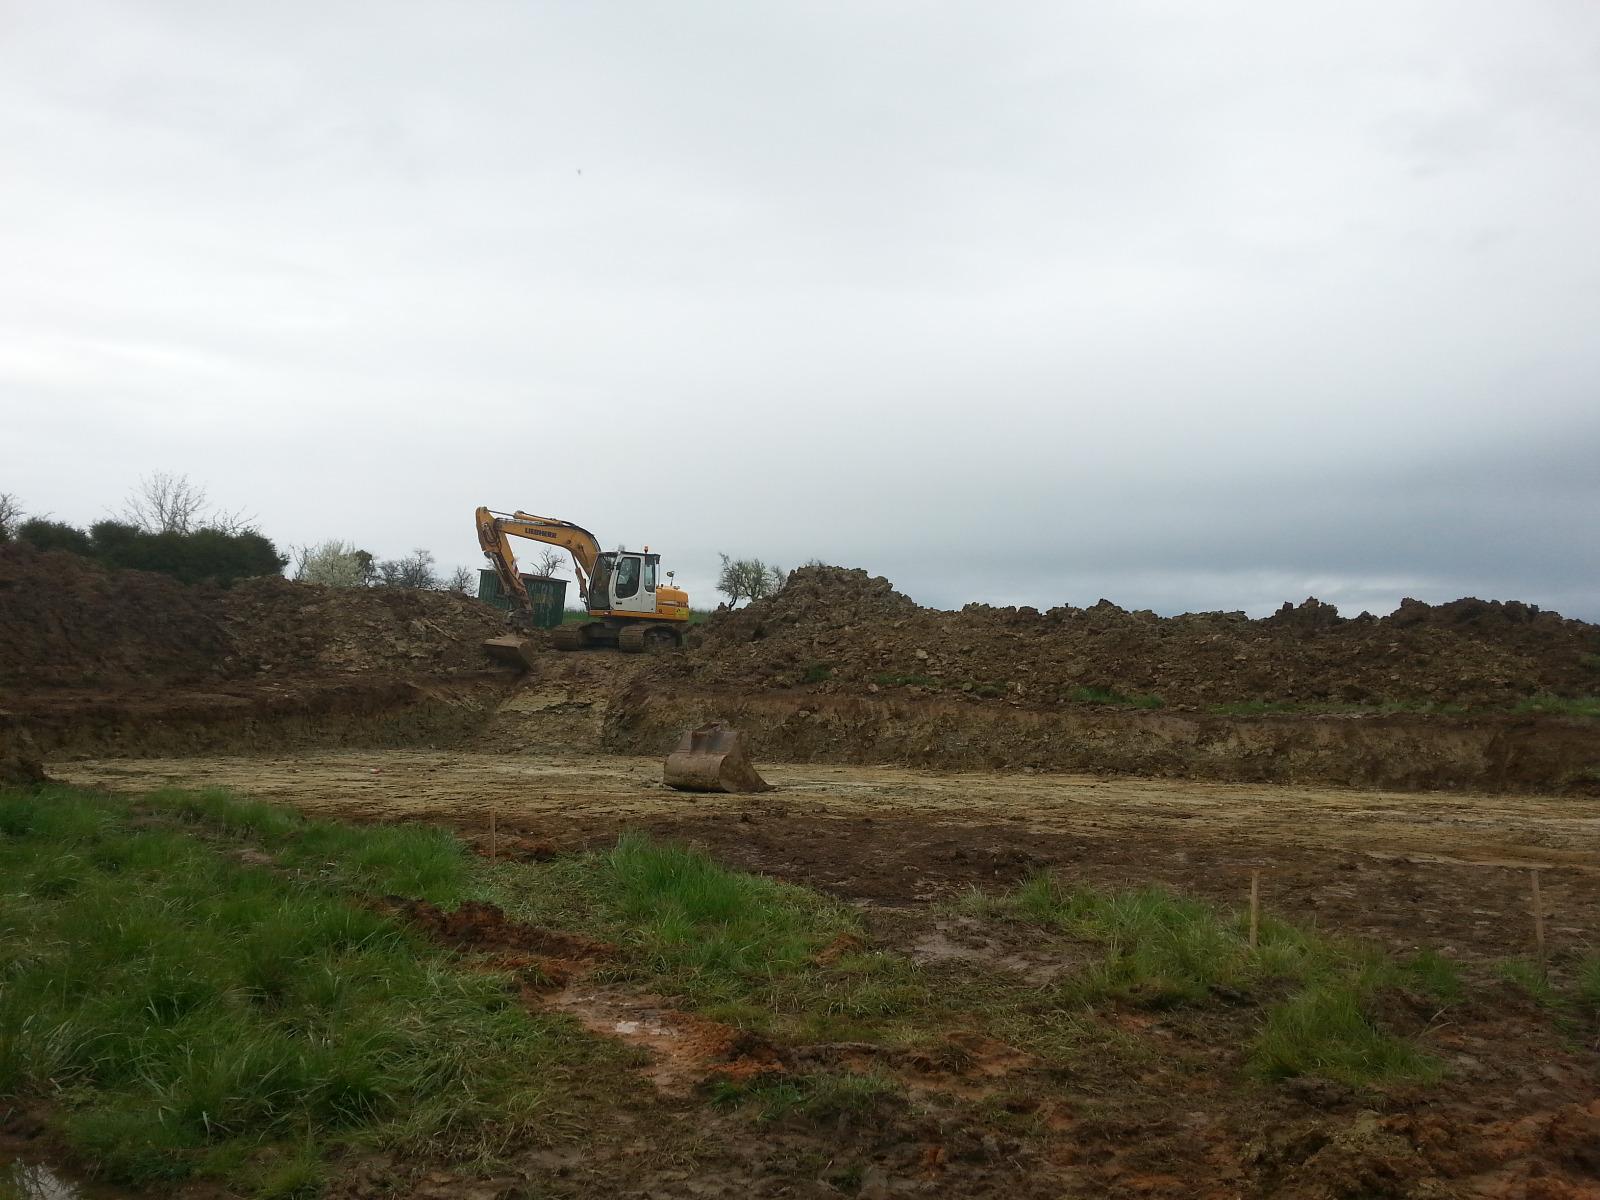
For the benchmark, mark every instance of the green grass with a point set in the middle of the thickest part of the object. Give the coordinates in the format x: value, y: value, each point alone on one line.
x: 1582, y: 706
x: 1255, y: 708
x: 740, y: 948
x: 1588, y: 982
x: 890, y: 679
x: 1159, y: 950
x: 418, y: 861
x: 817, y: 673
x: 1095, y: 695
x: 712, y: 934
x: 1325, y: 1029
x: 190, y: 1015
x: 818, y: 1096
x: 1529, y: 977
x: 1431, y: 974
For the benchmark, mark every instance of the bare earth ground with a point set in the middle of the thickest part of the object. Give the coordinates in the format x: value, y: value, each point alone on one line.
x: 1440, y: 869
x: 1517, y: 1115
x: 1129, y: 1102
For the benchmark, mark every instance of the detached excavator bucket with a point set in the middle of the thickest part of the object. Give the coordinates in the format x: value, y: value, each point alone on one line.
x: 512, y: 649
x: 712, y: 759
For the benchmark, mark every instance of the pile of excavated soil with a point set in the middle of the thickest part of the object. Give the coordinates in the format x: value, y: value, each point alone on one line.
x: 67, y: 622
x: 838, y: 630
x: 280, y: 626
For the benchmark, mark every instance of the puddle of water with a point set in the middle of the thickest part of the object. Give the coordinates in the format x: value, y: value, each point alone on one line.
x: 35, y: 1181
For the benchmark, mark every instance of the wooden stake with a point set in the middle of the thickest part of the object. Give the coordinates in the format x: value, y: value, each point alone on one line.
x: 1255, y: 907
x: 492, y: 836
x: 1538, y: 921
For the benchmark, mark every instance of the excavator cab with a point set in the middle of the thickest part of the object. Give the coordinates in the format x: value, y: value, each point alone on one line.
x: 630, y: 581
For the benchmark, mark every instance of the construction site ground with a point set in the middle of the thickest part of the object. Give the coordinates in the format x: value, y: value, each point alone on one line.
x: 1164, y: 1108
x: 1395, y: 780
x: 1444, y: 870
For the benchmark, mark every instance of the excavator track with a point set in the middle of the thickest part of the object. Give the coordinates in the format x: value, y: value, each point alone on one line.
x: 567, y: 637
x: 647, y: 638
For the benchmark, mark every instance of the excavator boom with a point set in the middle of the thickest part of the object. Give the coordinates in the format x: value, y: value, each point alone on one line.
x: 495, y: 531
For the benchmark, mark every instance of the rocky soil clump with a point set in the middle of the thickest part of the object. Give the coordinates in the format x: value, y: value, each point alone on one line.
x: 837, y: 630
x: 281, y: 626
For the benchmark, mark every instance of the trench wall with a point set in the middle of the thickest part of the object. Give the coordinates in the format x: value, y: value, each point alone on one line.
x: 1491, y: 753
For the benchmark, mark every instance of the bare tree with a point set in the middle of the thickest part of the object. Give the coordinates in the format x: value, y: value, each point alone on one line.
x: 168, y: 503
x: 747, y: 579
x: 10, y: 515
x: 413, y: 571
x: 335, y: 563
x: 462, y: 579
x: 547, y: 564
x: 731, y: 581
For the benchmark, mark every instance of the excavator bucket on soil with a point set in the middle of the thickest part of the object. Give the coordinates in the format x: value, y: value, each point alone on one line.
x: 513, y: 650
x: 712, y: 759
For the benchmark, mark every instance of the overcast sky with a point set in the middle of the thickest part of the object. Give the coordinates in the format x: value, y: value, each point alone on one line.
x: 1188, y: 306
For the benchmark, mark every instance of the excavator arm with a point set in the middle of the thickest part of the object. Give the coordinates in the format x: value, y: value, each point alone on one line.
x: 495, y: 531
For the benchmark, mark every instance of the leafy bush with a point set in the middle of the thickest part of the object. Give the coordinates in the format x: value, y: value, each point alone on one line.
x: 44, y: 534
x: 201, y: 555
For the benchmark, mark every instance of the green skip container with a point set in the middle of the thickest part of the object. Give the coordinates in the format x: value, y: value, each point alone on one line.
x: 549, y: 596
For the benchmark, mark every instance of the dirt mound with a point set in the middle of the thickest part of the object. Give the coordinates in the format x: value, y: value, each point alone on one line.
x: 837, y: 630
x: 67, y: 622
x: 280, y: 626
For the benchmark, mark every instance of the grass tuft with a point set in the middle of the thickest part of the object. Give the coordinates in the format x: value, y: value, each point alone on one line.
x: 1529, y: 977
x: 819, y: 1096
x: 1588, y: 981
x: 1325, y: 1030
x: 1095, y: 695
x: 891, y: 679
x: 1432, y: 974
x: 1159, y: 950
x: 1565, y: 706
x: 715, y: 934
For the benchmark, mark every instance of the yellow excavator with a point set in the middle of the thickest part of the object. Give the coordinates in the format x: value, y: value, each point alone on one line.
x: 630, y: 605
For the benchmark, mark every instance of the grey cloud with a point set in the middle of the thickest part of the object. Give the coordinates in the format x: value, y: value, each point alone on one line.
x: 1187, y: 307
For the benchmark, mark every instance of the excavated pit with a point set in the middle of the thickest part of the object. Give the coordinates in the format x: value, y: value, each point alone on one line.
x: 116, y: 663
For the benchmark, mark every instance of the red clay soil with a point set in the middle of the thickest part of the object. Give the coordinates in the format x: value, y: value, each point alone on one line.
x: 479, y: 925
x: 837, y: 630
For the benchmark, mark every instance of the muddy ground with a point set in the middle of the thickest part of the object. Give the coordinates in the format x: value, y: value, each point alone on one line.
x: 1444, y: 870
x: 1164, y: 1109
